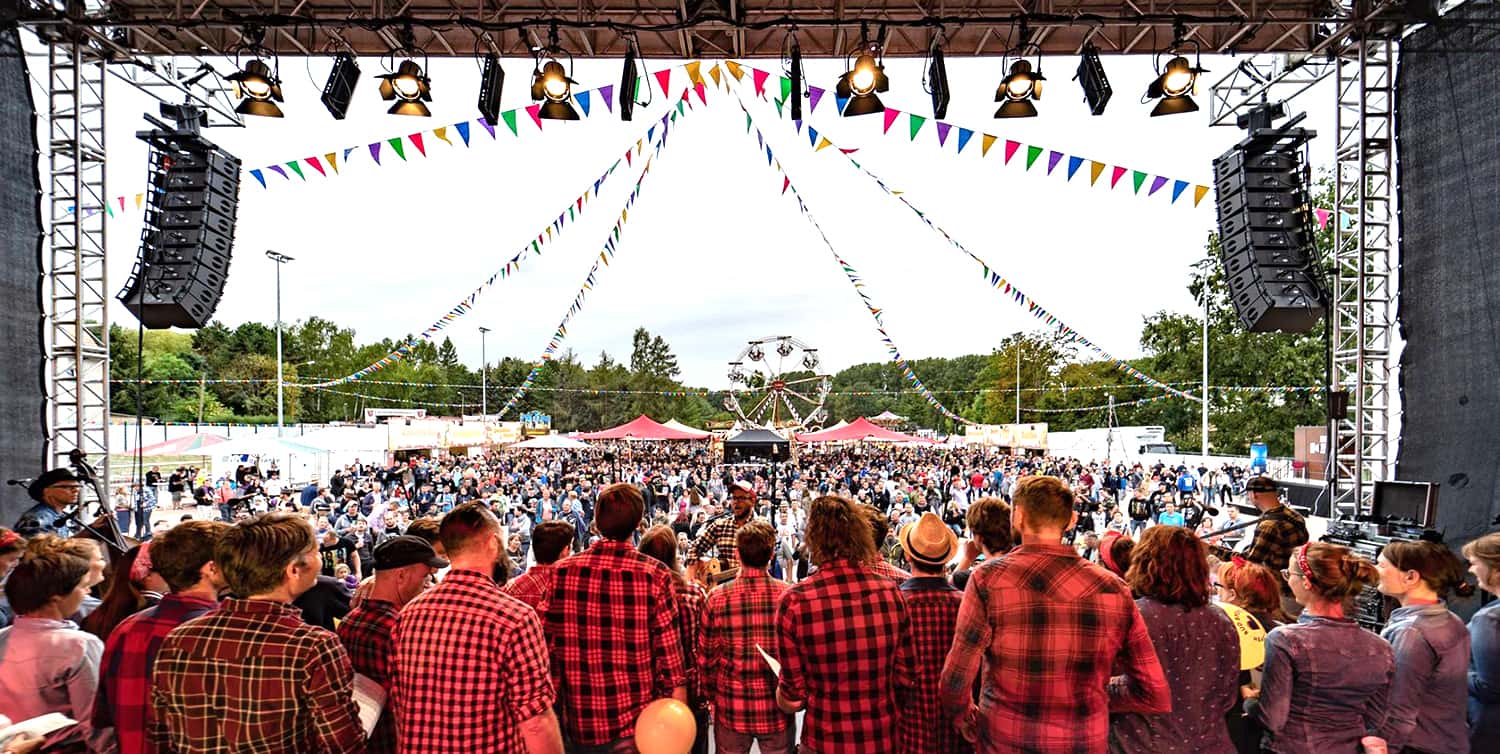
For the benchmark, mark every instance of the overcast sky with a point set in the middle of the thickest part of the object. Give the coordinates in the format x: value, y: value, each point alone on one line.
x: 713, y: 254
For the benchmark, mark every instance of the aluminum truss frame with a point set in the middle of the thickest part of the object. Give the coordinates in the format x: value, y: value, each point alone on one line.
x: 1364, y: 282
x: 77, y: 315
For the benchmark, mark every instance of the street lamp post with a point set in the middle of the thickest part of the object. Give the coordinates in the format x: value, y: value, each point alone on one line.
x: 484, y: 383
x: 280, y: 259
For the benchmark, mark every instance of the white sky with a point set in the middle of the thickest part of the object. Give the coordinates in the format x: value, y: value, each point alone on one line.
x: 713, y: 255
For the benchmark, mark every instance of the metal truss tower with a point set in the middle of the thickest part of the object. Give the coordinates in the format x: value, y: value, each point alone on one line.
x: 1364, y: 286
x: 77, y: 314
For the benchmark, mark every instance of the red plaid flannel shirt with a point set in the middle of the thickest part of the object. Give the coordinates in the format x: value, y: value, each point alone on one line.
x: 740, y: 615
x: 124, y: 698
x: 533, y: 587
x: 884, y: 568
x: 932, y: 604
x: 1050, y: 628
x: 251, y: 677
x: 471, y: 666
x: 842, y: 643
x: 691, y: 601
x: 612, y: 607
x: 366, y: 633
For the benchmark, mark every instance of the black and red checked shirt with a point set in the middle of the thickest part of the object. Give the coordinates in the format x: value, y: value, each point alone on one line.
x: 366, y: 633
x: 471, y: 666
x: 842, y: 643
x: 739, y: 616
x: 253, y: 678
x: 691, y: 600
x: 533, y: 587
x: 124, y: 696
x: 1050, y: 629
x: 612, y: 627
x: 884, y: 568
x: 932, y: 605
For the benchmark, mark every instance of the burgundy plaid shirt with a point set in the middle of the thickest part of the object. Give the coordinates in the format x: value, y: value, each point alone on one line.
x: 251, y: 677
x: 717, y: 539
x: 691, y: 601
x: 842, y: 643
x: 366, y: 633
x: 932, y: 604
x: 884, y: 568
x: 1051, y: 628
x: 471, y: 666
x: 740, y: 615
x: 124, y: 698
x: 612, y: 627
x: 533, y: 587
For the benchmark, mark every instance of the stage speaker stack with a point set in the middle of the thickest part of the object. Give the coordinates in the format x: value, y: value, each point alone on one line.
x: 1266, y: 241
x: 188, y: 233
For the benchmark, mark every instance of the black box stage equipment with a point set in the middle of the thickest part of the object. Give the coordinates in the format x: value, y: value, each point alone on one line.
x: 22, y: 359
x: 1266, y: 228
x: 1447, y: 115
x: 1090, y: 75
x: 339, y: 91
x: 1406, y: 503
x: 188, y: 233
x: 491, y: 81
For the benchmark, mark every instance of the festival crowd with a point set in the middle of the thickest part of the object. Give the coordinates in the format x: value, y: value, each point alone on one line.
x: 850, y: 600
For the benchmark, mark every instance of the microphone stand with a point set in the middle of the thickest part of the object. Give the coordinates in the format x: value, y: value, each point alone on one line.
x: 111, y: 537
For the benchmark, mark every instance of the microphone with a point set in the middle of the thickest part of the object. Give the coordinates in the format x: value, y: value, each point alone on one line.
x: 19, y: 482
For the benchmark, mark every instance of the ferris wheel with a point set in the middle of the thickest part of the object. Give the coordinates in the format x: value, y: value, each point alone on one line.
x: 770, y: 387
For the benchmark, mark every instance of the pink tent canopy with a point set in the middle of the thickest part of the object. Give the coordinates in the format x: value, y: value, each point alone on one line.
x: 859, y: 429
x: 644, y: 428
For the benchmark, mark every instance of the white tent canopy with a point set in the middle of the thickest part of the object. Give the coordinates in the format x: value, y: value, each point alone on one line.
x: 297, y: 462
x: 555, y: 442
x: 679, y: 426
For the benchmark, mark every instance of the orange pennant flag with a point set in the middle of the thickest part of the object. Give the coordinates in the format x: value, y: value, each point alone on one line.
x: 1095, y: 168
x: 734, y: 69
x: 1198, y: 193
x: 989, y: 141
x: 442, y: 133
x: 692, y: 72
x: 138, y: 199
x: 716, y: 74
x: 823, y: 143
x: 333, y: 161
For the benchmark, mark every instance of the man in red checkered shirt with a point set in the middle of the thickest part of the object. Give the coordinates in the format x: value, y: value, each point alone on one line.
x: 404, y: 566
x: 471, y: 670
x: 252, y: 676
x: 183, y: 557
x: 842, y: 638
x: 932, y: 603
x: 880, y: 528
x: 550, y: 541
x: 612, y: 629
x: 741, y: 620
x: 1050, y: 629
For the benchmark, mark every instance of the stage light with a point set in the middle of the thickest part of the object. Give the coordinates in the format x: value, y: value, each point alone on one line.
x: 937, y: 81
x: 861, y: 83
x: 551, y: 83
x: 628, y: 79
x: 491, y: 82
x: 1178, y: 80
x: 409, y: 88
x: 1018, y: 89
x: 260, y: 89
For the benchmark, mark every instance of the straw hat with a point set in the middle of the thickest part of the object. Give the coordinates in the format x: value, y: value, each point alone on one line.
x: 928, y: 541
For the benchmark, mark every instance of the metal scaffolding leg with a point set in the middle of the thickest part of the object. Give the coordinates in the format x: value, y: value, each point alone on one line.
x: 77, y: 311
x: 1363, y: 249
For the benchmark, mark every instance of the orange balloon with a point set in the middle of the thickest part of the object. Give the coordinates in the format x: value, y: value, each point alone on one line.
x: 665, y: 726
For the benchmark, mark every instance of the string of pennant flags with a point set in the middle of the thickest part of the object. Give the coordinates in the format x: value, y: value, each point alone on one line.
x: 550, y: 234
x: 607, y: 253
x: 849, y: 272
x: 401, y: 401
x: 817, y: 142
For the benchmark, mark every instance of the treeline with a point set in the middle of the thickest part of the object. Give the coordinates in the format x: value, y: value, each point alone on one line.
x: 223, y: 374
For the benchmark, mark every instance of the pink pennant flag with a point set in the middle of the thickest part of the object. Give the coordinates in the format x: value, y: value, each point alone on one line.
x: 416, y: 140
x: 664, y: 78
x: 785, y: 183
x: 316, y: 165
x: 1115, y: 177
x: 535, y: 111
x: 1010, y: 149
x: 702, y: 91
x: 760, y: 81
x: 1323, y: 216
x: 891, y: 114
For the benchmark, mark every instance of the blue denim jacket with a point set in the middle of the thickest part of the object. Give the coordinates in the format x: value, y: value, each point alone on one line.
x: 1484, y: 678
x: 1325, y: 686
x: 44, y: 519
x: 1430, y: 691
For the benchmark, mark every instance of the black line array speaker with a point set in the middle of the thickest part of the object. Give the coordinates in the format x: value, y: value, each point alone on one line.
x: 1266, y: 232
x: 188, y: 234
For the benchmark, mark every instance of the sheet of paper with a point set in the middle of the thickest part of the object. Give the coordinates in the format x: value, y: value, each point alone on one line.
x: 775, y: 666
x: 37, y: 727
x: 369, y: 696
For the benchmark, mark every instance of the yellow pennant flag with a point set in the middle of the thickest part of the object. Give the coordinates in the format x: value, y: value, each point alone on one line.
x: 823, y: 143
x: 333, y: 160
x: 638, y: 147
x: 624, y: 215
x: 692, y: 72
x: 1198, y: 193
x: 549, y: 232
x: 734, y: 69
x: 442, y: 133
x: 989, y: 141
x: 716, y: 74
x: 138, y: 199
x: 603, y: 257
x: 1095, y: 168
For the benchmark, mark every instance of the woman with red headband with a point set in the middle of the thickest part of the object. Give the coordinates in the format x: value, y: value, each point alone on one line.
x: 1326, y: 679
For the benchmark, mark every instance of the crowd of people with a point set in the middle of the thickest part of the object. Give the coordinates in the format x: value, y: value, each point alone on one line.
x: 911, y: 600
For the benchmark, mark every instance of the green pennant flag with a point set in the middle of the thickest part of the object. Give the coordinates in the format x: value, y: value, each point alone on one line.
x: 1139, y: 178
x: 397, y: 145
x: 748, y: 123
x: 917, y: 122
x: 296, y: 169
x: 1031, y: 154
x: 570, y: 213
x: 509, y: 116
x: 682, y: 103
x: 786, y: 87
x: 779, y: 104
x: 674, y: 117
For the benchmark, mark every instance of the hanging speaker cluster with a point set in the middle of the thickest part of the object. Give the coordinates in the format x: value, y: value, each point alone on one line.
x: 188, y: 233
x: 1266, y: 241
